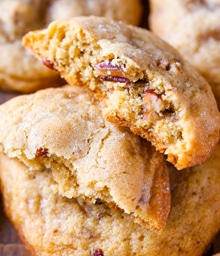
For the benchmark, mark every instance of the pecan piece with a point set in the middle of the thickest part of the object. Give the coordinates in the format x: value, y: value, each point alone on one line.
x: 109, y: 72
x: 48, y: 63
x: 153, y: 105
x: 116, y: 79
x: 170, y: 65
x: 41, y: 152
x: 98, y: 252
x: 164, y: 63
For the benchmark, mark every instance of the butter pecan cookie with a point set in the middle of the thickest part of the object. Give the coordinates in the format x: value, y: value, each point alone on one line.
x: 19, y: 70
x: 51, y: 224
x: 144, y: 83
x: 128, y: 11
x: 193, y: 28
x: 62, y: 131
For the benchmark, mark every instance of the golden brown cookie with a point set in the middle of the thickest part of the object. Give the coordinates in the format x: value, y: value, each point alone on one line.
x: 62, y: 131
x: 51, y: 224
x: 193, y: 28
x: 19, y: 70
x: 144, y: 83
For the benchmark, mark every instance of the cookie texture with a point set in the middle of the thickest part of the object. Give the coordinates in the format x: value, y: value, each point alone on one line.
x: 51, y: 224
x: 62, y: 131
x: 19, y: 70
x: 143, y: 82
x: 193, y: 28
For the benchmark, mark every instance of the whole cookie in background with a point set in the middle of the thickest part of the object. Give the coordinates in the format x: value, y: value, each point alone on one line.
x: 193, y: 28
x: 61, y: 130
x: 143, y: 82
x: 19, y: 70
x: 128, y: 11
x: 51, y: 224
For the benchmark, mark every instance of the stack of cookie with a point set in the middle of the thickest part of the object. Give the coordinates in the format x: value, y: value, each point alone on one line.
x: 123, y: 160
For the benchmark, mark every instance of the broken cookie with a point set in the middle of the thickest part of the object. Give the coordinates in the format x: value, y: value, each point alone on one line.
x: 142, y: 81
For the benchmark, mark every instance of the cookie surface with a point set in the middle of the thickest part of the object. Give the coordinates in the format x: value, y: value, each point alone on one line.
x: 19, y: 70
x: 62, y: 130
x: 51, y: 224
x: 193, y: 28
x: 144, y: 83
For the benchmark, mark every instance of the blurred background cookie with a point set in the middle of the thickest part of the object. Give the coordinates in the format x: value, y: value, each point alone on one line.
x: 19, y: 70
x: 128, y: 11
x: 193, y: 28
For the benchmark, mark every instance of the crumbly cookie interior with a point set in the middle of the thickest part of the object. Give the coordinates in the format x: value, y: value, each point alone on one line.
x: 143, y: 82
x: 139, y: 95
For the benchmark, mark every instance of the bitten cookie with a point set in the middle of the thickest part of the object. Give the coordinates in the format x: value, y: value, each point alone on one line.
x: 51, y: 224
x: 62, y: 130
x: 144, y: 83
x: 19, y: 70
x: 193, y: 28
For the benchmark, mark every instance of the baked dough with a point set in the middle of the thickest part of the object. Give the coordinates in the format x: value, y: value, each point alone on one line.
x: 144, y: 83
x: 51, y: 224
x: 62, y: 131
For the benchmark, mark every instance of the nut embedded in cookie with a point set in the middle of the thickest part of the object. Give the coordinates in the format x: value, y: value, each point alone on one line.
x: 143, y: 82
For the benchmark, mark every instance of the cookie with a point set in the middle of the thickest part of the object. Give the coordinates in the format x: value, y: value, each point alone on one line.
x: 62, y: 130
x: 19, y: 70
x: 51, y: 224
x: 144, y: 83
x: 129, y: 11
x: 193, y: 28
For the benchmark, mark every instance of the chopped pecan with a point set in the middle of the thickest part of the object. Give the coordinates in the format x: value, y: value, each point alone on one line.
x: 48, y: 63
x: 98, y: 252
x: 153, y: 105
x: 41, y: 152
x: 170, y: 65
x: 109, y: 72
x: 164, y: 63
